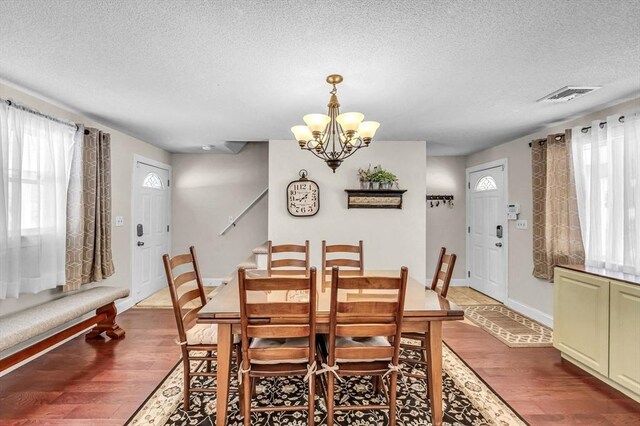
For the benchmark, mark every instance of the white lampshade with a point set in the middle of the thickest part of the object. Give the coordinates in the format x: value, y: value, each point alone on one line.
x: 316, y: 122
x: 368, y: 129
x: 302, y: 133
x: 349, y: 121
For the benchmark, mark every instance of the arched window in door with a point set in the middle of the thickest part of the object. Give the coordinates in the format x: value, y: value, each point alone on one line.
x: 152, y: 180
x: 485, y: 183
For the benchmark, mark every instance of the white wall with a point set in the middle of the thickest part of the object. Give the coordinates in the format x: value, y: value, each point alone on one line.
x: 207, y: 190
x: 445, y: 226
x: 123, y: 148
x: 529, y: 295
x: 392, y: 237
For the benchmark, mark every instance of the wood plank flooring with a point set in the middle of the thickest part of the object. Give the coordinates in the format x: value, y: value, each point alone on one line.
x: 104, y: 382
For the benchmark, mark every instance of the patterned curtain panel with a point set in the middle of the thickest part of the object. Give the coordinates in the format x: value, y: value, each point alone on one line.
x: 89, y: 256
x: 556, y: 228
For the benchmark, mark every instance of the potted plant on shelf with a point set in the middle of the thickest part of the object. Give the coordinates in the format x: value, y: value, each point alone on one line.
x: 363, y: 175
x: 382, y: 179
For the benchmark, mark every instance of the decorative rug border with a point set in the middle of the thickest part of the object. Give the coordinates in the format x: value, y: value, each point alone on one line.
x: 488, y: 385
x: 154, y: 391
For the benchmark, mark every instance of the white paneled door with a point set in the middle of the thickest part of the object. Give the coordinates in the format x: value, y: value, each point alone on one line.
x: 486, y: 223
x: 150, y: 228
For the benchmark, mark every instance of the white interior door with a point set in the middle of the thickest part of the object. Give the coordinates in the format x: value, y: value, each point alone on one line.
x: 150, y: 228
x: 486, y: 223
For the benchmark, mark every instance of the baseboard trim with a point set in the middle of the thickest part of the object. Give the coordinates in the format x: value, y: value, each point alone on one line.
x: 458, y: 282
x: 532, y: 313
x: 213, y: 282
x: 125, y: 304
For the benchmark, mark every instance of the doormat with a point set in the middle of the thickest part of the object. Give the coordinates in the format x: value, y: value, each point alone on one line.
x: 463, y: 296
x: 162, y: 298
x: 511, y: 328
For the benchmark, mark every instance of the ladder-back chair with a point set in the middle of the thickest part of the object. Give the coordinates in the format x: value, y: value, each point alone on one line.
x: 355, y: 260
x: 278, y: 335
x: 193, y: 337
x: 439, y: 284
x: 281, y: 263
x: 358, y: 344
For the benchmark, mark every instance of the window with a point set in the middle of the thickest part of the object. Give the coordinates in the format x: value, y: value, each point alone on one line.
x: 153, y: 181
x: 33, y: 201
x: 486, y: 183
x: 606, y: 160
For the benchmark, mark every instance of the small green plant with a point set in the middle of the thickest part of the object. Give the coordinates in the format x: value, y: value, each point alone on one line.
x: 381, y: 175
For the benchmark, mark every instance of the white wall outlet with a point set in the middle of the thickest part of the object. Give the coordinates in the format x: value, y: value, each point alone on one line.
x: 522, y: 224
x: 119, y: 220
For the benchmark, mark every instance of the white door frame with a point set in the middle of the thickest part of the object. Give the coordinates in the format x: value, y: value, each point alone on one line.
x: 140, y: 159
x: 505, y: 233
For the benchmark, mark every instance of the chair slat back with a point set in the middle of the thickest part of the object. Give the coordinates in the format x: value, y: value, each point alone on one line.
x: 279, y: 319
x: 444, y: 272
x: 329, y: 262
x: 363, y: 317
x: 180, y: 297
x: 290, y: 263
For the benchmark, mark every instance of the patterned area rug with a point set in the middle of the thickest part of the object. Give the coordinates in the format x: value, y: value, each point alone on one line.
x: 509, y: 327
x: 467, y: 401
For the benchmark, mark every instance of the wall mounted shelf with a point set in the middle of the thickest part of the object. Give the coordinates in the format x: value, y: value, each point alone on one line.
x: 374, y: 198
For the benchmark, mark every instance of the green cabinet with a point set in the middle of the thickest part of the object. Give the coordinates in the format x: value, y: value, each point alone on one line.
x: 596, y: 321
x: 581, y: 318
x: 624, y: 344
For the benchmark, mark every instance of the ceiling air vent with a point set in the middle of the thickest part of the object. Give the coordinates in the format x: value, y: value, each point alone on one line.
x: 568, y: 93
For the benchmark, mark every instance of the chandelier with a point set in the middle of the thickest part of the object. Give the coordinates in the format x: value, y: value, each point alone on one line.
x: 334, y: 137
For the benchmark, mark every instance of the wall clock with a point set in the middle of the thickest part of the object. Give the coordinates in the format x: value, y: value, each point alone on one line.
x: 303, y: 196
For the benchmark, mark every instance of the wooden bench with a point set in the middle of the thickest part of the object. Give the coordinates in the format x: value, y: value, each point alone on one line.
x: 21, y: 326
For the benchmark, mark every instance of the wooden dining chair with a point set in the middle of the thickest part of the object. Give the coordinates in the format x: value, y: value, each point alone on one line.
x: 193, y: 337
x: 357, y: 344
x: 278, y: 335
x: 439, y: 284
x: 351, y: 257
x: 282, y: 261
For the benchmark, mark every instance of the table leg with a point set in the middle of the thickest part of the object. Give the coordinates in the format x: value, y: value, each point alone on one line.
x: 434, y: 371
x: 225, y: 343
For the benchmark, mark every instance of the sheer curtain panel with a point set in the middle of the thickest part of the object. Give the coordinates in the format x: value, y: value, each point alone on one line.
x: 607, y: 163
x: 35, y: 163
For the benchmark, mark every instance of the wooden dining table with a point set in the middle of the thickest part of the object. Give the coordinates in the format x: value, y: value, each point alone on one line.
x: 424, y: 310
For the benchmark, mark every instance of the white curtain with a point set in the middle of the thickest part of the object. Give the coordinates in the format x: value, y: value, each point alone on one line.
x: 607, y: 171
x: 35, y: 163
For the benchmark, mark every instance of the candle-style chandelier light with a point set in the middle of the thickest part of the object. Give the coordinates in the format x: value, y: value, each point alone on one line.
x: 336, y: 136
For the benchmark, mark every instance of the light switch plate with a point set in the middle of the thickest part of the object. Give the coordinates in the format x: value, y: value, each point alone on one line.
x: 521, y: 224
x: 119, y: 220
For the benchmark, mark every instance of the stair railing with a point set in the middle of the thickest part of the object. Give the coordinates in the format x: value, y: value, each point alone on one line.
x: 249, y: 207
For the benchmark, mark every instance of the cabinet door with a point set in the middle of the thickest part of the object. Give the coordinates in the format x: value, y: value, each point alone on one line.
x: 581, y: 318
x: 624, y: 350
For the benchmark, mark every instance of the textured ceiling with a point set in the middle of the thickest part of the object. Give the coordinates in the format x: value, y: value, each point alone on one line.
x: 463, y: 75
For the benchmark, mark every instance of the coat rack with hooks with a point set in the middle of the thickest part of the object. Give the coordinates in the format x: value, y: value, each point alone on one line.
x: 437, y: 200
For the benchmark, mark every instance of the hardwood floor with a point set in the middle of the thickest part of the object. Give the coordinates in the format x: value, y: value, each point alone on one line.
x: 103, y: 382
x: 94, y: 382
x: 540, y: 386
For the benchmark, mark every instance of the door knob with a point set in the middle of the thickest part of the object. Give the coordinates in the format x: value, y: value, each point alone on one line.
x: 497, y: 244
x: 140, y: 243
